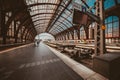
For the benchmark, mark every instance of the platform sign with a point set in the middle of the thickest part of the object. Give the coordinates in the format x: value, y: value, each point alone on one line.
x: 79, y: 17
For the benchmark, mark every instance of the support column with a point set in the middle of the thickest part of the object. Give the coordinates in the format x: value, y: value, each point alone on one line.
x: 65, y: 36
x: 68, y: 36
x: 78, y: 34
x: 119, y: 31
x: 16, y: 37
x: 86, y: 32
x: 91, y: 34
x: 3, y: 27
x: 72, y: 34
x: 14, y: 28
x: 100, y: 34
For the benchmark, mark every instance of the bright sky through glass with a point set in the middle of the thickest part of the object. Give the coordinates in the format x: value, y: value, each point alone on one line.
x: 45, y: 36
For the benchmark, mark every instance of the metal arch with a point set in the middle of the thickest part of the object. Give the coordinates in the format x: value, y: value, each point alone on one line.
x: 51, y: 24
x: 33, y: 16
x: 69, y: 30
x: 57, y: 21
x: 43, y: 9
x: 45, y: 4
x: 31, y: 5
x: 38, y: 24
x: 36, y: 4
x: 40, y: 28
x: 61, y: 14
x: 55, y: 31
x: 27, y: 34
x: 12, y: 18
x: 41, y: 13
x: 62, y: 28
x: 40, y: 4
x: 22, y: 9
x: 57, y: 27
x: 30, y: 29
x: 20, y: 26
x: 27, y: 29
x: 66, y: 19
x: 63, y: 18
x: 24, y: 32
x: 40, y: 17
x: 51, y: 19
x: 30, y: 17
x: 63, y: 24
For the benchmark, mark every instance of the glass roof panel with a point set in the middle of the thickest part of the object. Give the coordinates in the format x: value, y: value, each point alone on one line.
x: 62, y: 25
x: 41, y: 22
x: 65, y: 21
x: 43, y: 10
x: 41, y: 18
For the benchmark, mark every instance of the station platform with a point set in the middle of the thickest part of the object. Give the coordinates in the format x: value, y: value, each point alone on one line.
x: 42, y: 63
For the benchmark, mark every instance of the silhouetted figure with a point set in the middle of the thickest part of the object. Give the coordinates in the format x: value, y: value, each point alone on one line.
x: 38, y: 43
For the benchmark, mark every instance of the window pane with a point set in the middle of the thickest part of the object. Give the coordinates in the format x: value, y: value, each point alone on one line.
x: 109, y: 3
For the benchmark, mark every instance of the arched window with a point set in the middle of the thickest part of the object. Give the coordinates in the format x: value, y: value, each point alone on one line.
x: 91, y: 30
x: 82, y: 33
x: 109, y: 3
x: 112, y: 26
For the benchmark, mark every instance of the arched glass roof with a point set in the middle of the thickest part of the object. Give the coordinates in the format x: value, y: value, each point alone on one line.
x: 46, y: 8
x: 54, y: 16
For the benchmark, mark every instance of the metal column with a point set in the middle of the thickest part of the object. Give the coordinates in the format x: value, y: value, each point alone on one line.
x: 3, y: 27
x: 99, y: 32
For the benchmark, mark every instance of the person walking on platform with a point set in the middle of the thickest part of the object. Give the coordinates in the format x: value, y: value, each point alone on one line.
x: 38, y: 43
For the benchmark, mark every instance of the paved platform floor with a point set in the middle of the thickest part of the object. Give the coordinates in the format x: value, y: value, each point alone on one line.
x: 37, y: 63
